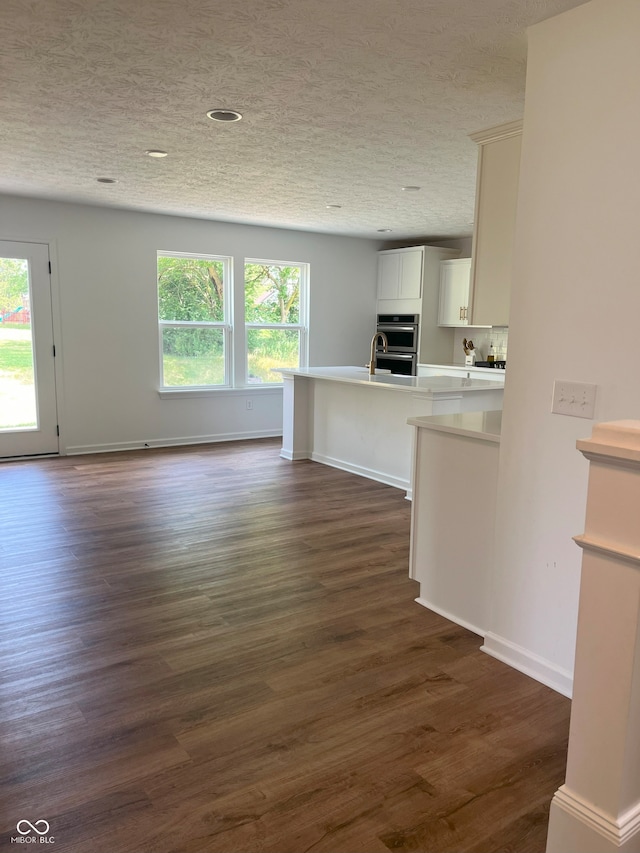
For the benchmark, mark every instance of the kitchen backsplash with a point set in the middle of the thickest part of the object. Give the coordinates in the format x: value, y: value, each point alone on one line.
x: 482, y: 339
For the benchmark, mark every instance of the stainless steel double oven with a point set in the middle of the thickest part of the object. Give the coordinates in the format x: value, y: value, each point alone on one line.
x: 402, y: 350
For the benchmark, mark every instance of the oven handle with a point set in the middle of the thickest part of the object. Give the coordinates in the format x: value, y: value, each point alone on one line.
x: 395, y: 354
x: 389, y: 327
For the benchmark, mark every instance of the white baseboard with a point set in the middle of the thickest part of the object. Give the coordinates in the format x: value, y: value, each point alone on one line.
x: 529, y: 663
x: 296, y: 455
x: 450, y: 616
x: 369, y: 473
x: 576, y: 824
x: 74, y: 450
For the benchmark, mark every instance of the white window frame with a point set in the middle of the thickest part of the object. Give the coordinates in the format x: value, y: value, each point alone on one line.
x: 226, y: 325
x: 302, y: 326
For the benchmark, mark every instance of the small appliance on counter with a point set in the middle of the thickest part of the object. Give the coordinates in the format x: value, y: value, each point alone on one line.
x: 500, y: 365
x: 469, y: 353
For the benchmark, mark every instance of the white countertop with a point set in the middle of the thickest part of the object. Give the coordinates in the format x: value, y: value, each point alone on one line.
x: 424, y: 384
x: 486, y: 372
x: 481, y: 425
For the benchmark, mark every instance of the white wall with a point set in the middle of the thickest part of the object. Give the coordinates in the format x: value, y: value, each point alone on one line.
x: 575, y: 280
x: 105, y: 283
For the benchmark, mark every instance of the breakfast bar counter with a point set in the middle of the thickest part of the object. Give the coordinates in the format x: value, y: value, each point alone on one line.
x: 344, y: 417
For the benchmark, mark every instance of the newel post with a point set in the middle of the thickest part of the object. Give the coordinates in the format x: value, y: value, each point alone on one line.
x: 597, y: 810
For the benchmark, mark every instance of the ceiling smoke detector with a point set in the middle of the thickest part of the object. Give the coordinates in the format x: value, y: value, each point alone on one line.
x: 224, y: 115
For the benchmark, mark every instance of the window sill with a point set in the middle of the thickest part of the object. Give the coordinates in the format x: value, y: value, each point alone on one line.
x: 187, y: 393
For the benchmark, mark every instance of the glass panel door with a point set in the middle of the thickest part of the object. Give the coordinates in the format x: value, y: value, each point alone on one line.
x: 28, y: 417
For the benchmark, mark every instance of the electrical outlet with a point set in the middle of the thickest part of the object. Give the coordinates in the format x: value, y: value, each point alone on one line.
x: 577, y: 399
x: 249, y: 405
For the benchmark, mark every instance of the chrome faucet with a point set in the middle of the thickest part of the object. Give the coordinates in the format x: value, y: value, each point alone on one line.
x: 374, y: 341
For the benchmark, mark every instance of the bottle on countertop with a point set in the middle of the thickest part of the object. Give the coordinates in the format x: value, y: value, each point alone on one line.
x: 491, y: 355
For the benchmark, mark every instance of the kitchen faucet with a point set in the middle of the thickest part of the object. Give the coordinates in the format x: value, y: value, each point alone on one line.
x: 374, y: 340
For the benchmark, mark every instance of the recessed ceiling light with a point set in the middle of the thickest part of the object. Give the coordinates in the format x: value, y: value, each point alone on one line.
x: 106, y: 180
x: 334, y: 206
x: 155, y: 152
x: 224, y: 115
x: 384, y: 230
x: 411, y: 189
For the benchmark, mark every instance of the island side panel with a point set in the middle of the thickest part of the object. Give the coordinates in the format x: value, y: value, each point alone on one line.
x: 297, y: 417
x: 452, y: 525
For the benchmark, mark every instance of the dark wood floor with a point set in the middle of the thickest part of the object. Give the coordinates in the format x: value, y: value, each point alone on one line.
x: 213, y: 649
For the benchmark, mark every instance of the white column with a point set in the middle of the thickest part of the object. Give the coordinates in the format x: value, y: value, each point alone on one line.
x: 597, y: 810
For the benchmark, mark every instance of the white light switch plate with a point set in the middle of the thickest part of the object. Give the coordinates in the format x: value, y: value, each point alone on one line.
x: 577, y: 399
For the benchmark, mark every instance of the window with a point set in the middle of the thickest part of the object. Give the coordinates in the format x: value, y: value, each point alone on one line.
x: 275, y: 318
x: 193, y: 304
x: 198, y: 338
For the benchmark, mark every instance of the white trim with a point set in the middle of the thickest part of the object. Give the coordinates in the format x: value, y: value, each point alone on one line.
x: 529, y: 663
x: 30, y: 457
x: 195, y: 324
x: 222, y: 391
x: 606, y: 549
x: 199, y: 256
x: 441, y: 396
x: 369, y: 473
x: 500, y: 131
x: 616, y: 831
x: 294, y: 456
x: 54, y: 281
x: 615, y: 457
x: 170, y: 442
x: 450, y: 616
x: 285, y: 326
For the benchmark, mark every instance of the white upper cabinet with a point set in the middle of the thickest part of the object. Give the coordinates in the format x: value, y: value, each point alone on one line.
x: 495, y: 218
x: 400, y: 274
x: 455, y: 282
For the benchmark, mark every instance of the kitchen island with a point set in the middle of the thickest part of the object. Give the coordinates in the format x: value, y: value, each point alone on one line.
x: 346, y: 418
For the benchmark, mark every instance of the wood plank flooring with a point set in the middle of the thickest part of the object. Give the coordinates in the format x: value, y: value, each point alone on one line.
x: 213, y: 649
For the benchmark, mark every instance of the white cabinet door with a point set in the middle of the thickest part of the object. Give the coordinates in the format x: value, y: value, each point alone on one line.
x: 388, y: 275
x: 400, y: 274
x: 410, y: 282
x: 455, y: 277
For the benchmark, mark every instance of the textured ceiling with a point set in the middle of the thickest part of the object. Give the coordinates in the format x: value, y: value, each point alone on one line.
x: 344, y: 102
